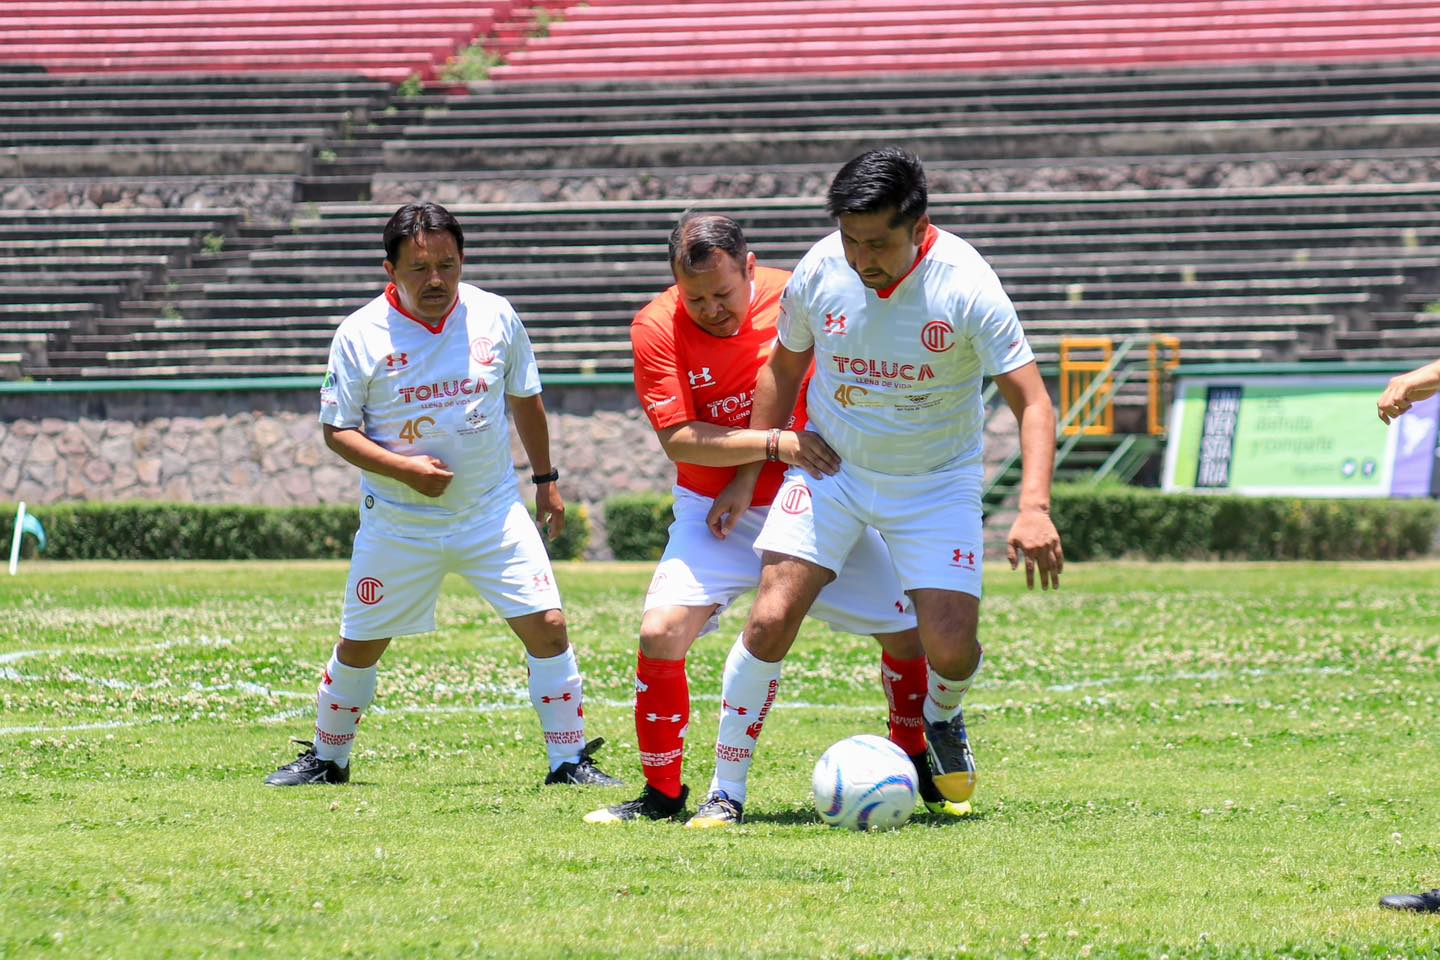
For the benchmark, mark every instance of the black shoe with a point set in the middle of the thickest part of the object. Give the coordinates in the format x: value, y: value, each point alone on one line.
x: 308, y: 768
x: 718, y: 810
x: 1427, y: 902
x: 651, y: 804
x: 930, y: 794
x: 951, y: 762
x: 583, y: 772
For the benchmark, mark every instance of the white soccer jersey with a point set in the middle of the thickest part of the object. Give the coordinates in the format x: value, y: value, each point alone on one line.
x: 440, y: 392
x: 897, y: 372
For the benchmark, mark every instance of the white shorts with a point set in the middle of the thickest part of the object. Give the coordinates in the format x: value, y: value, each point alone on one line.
x: 931, y: 522
x: 395, y: 579
x: 698, y: 570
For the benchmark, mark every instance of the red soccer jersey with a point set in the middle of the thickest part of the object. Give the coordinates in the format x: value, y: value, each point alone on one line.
x: 683, y: 373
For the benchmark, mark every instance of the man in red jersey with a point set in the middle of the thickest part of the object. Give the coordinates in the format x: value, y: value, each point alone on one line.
x: 698, y: 348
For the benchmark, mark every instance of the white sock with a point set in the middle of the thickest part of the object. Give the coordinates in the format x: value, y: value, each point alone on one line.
x: 344, y: 694
x: 555, y: 692
x: 746, y: 695
x: 942, y: 700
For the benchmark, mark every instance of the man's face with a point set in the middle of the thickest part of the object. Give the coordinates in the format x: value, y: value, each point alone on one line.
x: 879, y: 253
x: 717, y: 294
x: 426, y: 272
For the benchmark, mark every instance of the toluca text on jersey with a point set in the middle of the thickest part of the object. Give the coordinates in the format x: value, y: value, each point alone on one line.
x: 445, y: 388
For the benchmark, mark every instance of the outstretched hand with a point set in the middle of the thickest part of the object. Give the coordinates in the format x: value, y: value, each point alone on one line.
x: 1034, y: 535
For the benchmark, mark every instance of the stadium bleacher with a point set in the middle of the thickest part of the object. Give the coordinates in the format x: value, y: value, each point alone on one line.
x: 379, y: 39
x: 621, y: 39
x: 1328, y: 269
x: 1272, y: 274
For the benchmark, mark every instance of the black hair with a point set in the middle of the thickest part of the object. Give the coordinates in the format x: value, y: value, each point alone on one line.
x: 414, y: 219
x: 886, y: 179
x: 699, y: 235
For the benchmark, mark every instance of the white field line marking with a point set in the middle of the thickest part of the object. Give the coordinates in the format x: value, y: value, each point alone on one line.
x: 293, y: 713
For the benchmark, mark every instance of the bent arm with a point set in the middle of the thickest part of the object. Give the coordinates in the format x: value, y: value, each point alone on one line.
x: 357, y: 449
x: 1407, y: 389
x: 777, y: 387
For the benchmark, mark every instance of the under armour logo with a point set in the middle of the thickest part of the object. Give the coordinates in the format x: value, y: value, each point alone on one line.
x: 657, y: 717
x: 727, y: 705
x: 541, y: 580
x: 701, y: 379
x: 561, y: 698
x: 835, y: 325
x: 336, y: 706
x: 393, y: 360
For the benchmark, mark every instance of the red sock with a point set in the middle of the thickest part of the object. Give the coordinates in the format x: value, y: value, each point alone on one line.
x: 662, y: 719
x: 905, y: 683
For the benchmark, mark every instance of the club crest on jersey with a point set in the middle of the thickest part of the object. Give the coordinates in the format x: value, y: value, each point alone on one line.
x: 796, y: 500
x: 835, y: 325
x: 369, y: 591
x: 397, y: 361
x: 937, y: 336
x: 700, y: 378
x: 482, y: 351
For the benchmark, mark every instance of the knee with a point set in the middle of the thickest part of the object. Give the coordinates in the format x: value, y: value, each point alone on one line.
x: 664, y: 641
x: 553, y: 639
x: 955, y: 661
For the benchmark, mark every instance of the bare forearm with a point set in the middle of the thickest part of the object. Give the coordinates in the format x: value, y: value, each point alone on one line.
x: 711, y: 445
x: 359, y: 450
x: 1037, y: 453
x: 533, y: 428
x: 1424, y: 378
x: 777, y: 387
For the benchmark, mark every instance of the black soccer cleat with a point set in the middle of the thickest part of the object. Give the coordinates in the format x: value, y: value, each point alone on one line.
x: 583, y: 772
x: 930, y: 794
x: 718, y: 810
x: 951, y: 762
x: 1427, y: 902
x: 308, y: 768
x: 650, y: 805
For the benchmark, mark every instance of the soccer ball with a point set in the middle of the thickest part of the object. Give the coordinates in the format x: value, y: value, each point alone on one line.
x: 865, y: 782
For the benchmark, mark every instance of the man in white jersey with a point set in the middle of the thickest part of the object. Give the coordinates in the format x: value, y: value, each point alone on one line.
x: 902, y: 321
x: 697, y: 349
x: 415, y: 395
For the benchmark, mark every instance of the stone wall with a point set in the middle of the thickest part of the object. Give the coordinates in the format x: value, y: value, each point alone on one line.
x: 266, y: 448
x: 267, y: 200
x: 809, y: 180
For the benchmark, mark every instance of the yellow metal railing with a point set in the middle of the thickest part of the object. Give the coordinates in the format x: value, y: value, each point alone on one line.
x: 1164, y: 357
x: 1078, y: 375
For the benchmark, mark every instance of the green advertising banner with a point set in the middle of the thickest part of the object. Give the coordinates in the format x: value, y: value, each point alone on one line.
x: 1313, y: 436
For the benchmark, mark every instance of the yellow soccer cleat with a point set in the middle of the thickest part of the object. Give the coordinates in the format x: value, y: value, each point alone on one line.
x: 718, y: 810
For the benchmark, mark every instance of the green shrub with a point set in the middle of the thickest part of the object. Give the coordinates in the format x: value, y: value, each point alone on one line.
x: 637, y: 525
x: 1099, y: 522
x: 189, y: 531
x: 571, y: 544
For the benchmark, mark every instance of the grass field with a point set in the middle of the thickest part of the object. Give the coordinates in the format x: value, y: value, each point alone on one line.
x: 1182, y: 760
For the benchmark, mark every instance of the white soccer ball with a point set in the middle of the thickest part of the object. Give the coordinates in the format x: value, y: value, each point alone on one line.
x: 865, y: 782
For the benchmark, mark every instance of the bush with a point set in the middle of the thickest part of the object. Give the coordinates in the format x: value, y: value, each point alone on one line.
x: 189, y: 531
x: 637, y: 525
x: 1099, y: 522
x: 571, y: 544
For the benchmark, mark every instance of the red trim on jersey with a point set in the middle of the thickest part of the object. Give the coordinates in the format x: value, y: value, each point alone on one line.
x: 931, y: 234
x: 392, y: 294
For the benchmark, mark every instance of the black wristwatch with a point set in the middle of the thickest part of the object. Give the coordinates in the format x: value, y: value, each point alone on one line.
x: 550, y: 477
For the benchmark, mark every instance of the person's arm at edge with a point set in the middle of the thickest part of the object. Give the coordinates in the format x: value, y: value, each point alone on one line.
x: 1405, y: 389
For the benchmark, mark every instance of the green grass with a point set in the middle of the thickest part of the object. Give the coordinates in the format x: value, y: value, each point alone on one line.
x: 1176, y: 760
